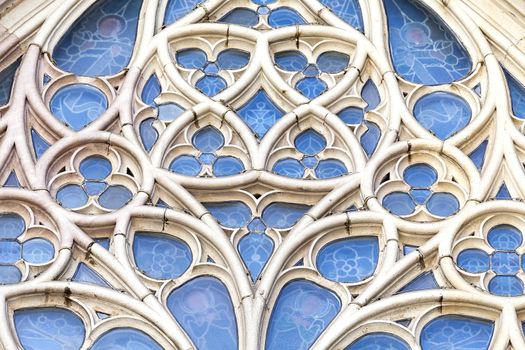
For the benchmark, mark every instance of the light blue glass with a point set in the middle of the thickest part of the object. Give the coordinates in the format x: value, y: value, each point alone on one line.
x: 125, y: 339
x: 104, y: 242
x: 352, y: 115
x: 11, y: 226
x: 49, y: 328
x: 204, y: 310
x: 191, y: 58
x: 285, y: 16
x: 370, y: 95
x: 442, y: 204
x: 505, y: 237
x: 161, y: 256
x: 233, y: 59
x: 422, y: 282
x: 505, y: 263
x: 211, y: 85
x: 10, y: 252
x: 370, y: 138
x: 208, y: 139
x: 12, y: 180
x: 84, y: 274
x: 168, y: 112
x: 9, y: 274
x: 241, y: 16
x: 7, y: 77
x: 280, y: 215
x: 39, y: 144
x: 115, y: 197
x: 176, y: 9
x: 348, y: 260
x: 46, y: 79
x: 211, y: 68
x: 379, y: 341
x: 232, y: 214
x: 311, y: 71
x: 260, y: 113
x: 420, y: 196
x: 407, y: 249
x: 456, y: 332
x: 291, y: 61
x: 399, y: 203
x: 503, y: 193
x: 478, y: 155
x: 420, y: 175
x: 186, y: 165
x: 423, y: 48
x: 71, y: 196
x: 151, y: 90
x: 257, y: 226
x: 442, y: 113
x: 310, y: 162
x: 473, y: 260
x: 102, y: 315
x: 227, y: 166
x: 263, y: 10
x: 310, y: 142
x: 506, y: 286
x: 148, y: 134
x: 95, y: 168
x: 289, y: 167
x: 94, y: 188
x: 348, y: 10
x: 101, y: 41
x: 517, y: 95
x: 301, y: 313
x: 311, y: 87
x: 332, y: 62
x: 207, y: 158
x: 255, y: 250
x: 263, y: 2
x: 38, y: 251
x: 330, y: 168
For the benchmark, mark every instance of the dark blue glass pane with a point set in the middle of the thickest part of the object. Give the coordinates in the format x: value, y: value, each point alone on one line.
x: 420, y: 196
x: 71, y: 196
x: 311, y: 87
x: 352, y: 115
x: 422, y: 282
x: 310, y: 142
x: 332, y: 62
x: 379, y: 341
x: 348, y: 10
x: 9, y: 274
x: 456, y: 332
x: 46, y: 79
x: 349, y: 260
x: 95, y: 168
x: 233, y: 59
x: 255, y: 250
x: 191, y: 58
x: 423, y: 49
x: 473, y: 260
x: 49, y: 329
x: 227, y: 166
x: 39, y: 144
x: 204, y: 309
x: 161, y: 256
x: 169, y: 111
x: 11, y: 226
x: 38, y: 251
x: 12, y: 180
x: 241, y: 16
x: 125, y: 339
x: 211, y: 85
x: 517, y: 95
x: 115, y: 197
x: 94, y: 188
x: 505, y: 237
x: 289, y: 167
x: 311, y: 71
x: 208, y: 139
x: 477, y: 89
x: 443, y: 204
x: 7, y: 76
x: 285, y: 16
x: 230, y: 214
x: 301, y: 313
x: 442, y: 113
x: 506, y: 286
x: 420, y: 175
x: 478, y: 155
x: 84, y: 274
x: 370, y: 138
x: 260, y: 113
x: 505, y: 263
x: 148, y: 134
x: 186, y: 165
x: 101, y: 41
x: 291, y: 61
x: 281, y: 215
x: 503, y: 193
x: 10, y: 252
x: 176, y: 9
x: 330, y: 168
x: 104, y: 242
x: 399, y: 203
x: 151, y: 90
x: 370, y: 95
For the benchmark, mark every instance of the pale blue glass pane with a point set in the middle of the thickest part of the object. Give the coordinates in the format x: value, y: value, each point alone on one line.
x: 407, y: 249
x: 211, y: 68
x: 473, y: 260
x: 456, y: 332
x: 38, y: 251
x: 211, y: 85
x: 255, y: 250
x: 161, y: 256
x: 233, y: 59
x: 349, y: 260
x: 442, y: 113
x: 423, y: 49
x: 101, y: 41
x: 263, y: 10
x: 311, y: 87
x: 12, y: 180
x: 420, y: 175
x: 517, y: 95
x: 310, y: 142
x: 379, y: 341
x: 125, y: 339
x: 311, y: 71
x: 330, y: 168
x: 422, y: 282
x: 332, y: 62
x: 348, y: 10
x: 191, y: 58
x: 94, y: 188
x: 204, y: 309
x: 399, y: 203
x: 310, y: 162
x: 169, y: 111
x: 420, y: 196
x: 503, y: 193
x: 71, y: 196
x: 241, y: 16
x: 11, y: 225
x: 302, y: 312
x: 443, y: 204
x: 285, y: 16
x: 95, y: 168
x: 148, y: 134
x: 186, y: 165
x: 281, y: 215
x: 115, y: 197
x: 7, y: 77
x: 370, y: 138
x: 264, y: 2
x: 151, y: 90
x: 352, y: 115
x: 84, y: 274
x: 227, y: 166
x: 291, y: 61
x: 230, y: 214
x: 478, y: 155
x: 10, y: 274
x: 39, y: 144
x: 370, y: 95
x: 49, y: 329
x: 505, y: 237
x: 10, y: 252
x: 257, y: 226
x: 176, y: 9
x: 208, y: 139
x: 506, y: 286
x: 208, y: 158
x: 505, y: 263
x: 260, y: 113
x: 289, y: 167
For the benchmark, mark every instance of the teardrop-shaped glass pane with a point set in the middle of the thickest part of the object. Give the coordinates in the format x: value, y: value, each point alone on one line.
x: 230, y: 214
x: 282, y: 215
x: 7, y: 77
x: 125, y: 339
x: 176, y: 9
x: 330, y: 168
x: 255, y: 250
x: 101, y: 41
x: 285, y: 16
x: 370, y: 95
x: 517, y: 95
x: 370, y: 138
x: 186, y: 165
x: 151, y: 90
x: 208, y: 139
x: 289, y: 167
x: 148, y: 134
x: 233, y: 59
x: 332, y: 62
x: 227, y: 166
x: 84, y: 274
x: 191, y: 58
x: 291, y: 61
x: 310, y: 142
x: 211, y: 85
x: 348, y: 10
x: 379, y: 341
x: 351, y: 115
x: 241, y: 16
x: 423, y: 48
x: 260, y: 113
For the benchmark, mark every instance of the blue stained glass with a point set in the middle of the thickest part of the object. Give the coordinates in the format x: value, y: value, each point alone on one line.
x: 399, y: 203
x: 204, y: 309
x: 456, y: 332
x: 370, y: 95
x: 71, y: 196
x: 11, y: 225
x: 230, y: 214
x: 84, y: 274
x: 46, y: 79
x: 420, y: 175
x: 301, y: 313
x: 257, y: 226
x: 291, y: 61
x: 255, y: 250
x: 503, y: 193
x: 186, y: 165
x: 10, y: 274
x: 169, y: 111
x: 517, y: 95
x: 176, y: 9
x: 349, y: 260
x: 311, y: 71
x: 263, y: 10
x: 311, y: 87
x: 420, y: 196
x: 505, y: 263
x: 281, y: 215
x: 260, y: 113
x: 233, y: 59
x: 330, y: 168
x: 95, y: 168
x: 207, y: 158
x: 39, y: 144
x: 442, y: 113
x: 285, y: 16
x: 38, y: 251
x: 161, y: 256
x: 115, y: 197
x: 477, y: 89
x: 352, y: 115
x: 148, y: 134
x: 332, y: 62
x: 227, y: 166
x: 191, y: 58
x: 211, y: 85
x: 263, y: 2
x: 151, y: 90
x: 478, y: 155
x: 422, y: 282
x: 104, y: 242
x: 473, y: 260
x: 241, y: 16
x: 10, y: 252
x: 7, y: 77
x: 348, y: 10
x: 94, y: 188
x: 505, y: 237
x: 423, y: 49
x: 12, y: 180
x: 443, y: 204
x: 49, y: 329
x: 289, y: 167
x: 125, y: 339
x: 310, y: 162
x: 208, y: 139
x: 101, y: 41
x: 379, y: 341
x: 370, y: 138
x: 310, y: 142
x: 407, y: 249
x: 506, y: 286
x: 211, y: 68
